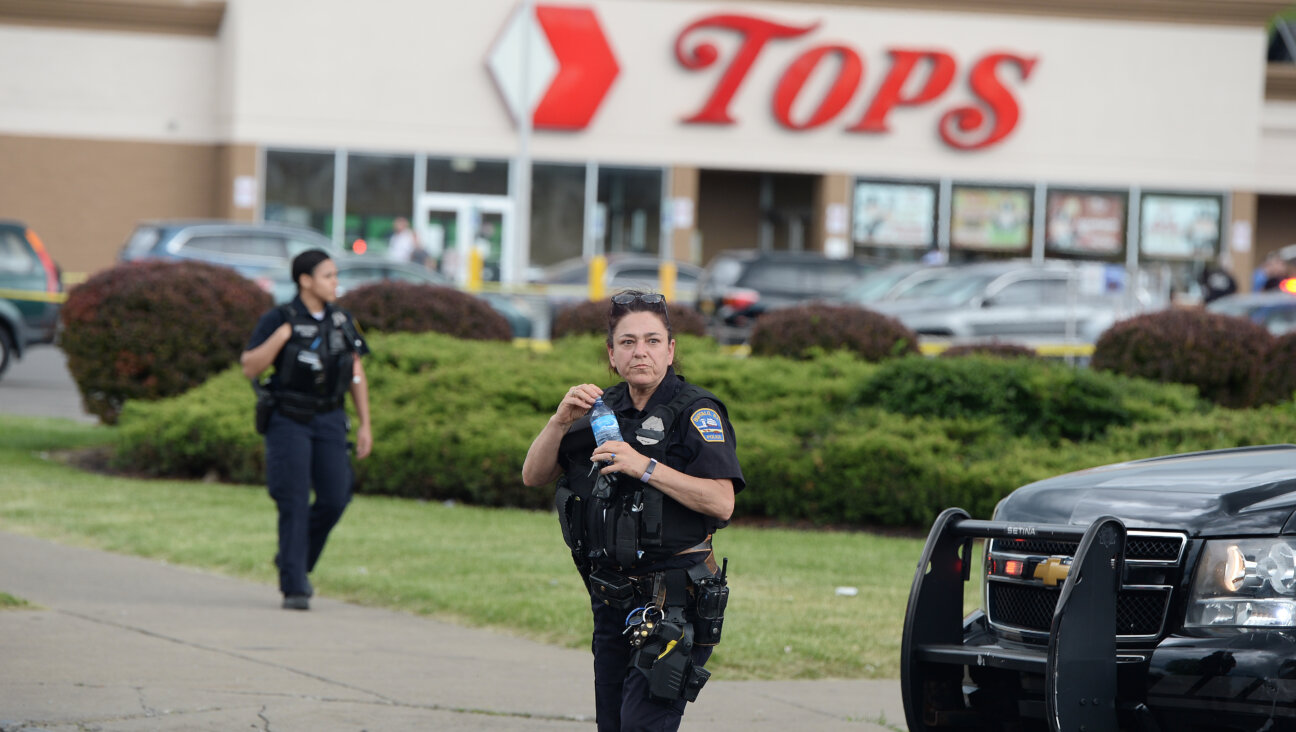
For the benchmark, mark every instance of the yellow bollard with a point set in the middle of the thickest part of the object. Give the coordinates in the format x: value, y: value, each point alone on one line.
x: 474, y: 269
x: 667, y: 275
x: 597, y: 273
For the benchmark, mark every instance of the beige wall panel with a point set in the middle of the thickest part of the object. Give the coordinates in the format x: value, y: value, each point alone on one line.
x: 683, y: 184
x: 89, y: 194
x: 237, y: 162
x: 87, y: 84
x: 830, y: 191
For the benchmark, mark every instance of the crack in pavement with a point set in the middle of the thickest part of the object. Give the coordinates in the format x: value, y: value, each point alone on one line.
x: 378, y: 699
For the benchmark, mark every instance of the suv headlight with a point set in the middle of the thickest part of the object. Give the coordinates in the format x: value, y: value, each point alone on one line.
x: 1247, y: 583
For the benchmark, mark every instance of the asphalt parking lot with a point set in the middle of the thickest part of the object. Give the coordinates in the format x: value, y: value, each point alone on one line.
x: 39, y: 385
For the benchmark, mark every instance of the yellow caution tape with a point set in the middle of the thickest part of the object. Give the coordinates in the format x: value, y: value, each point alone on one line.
x: 32, y: 295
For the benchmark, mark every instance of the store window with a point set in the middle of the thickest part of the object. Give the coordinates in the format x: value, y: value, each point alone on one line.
x: 894, y: 221
x: 1086, y: 224
x: 299, y: 189
x: 380, y: 188
x: 990, y: 222
x: 628, y: 218
x: 467, y: 175
x: 557, y: 212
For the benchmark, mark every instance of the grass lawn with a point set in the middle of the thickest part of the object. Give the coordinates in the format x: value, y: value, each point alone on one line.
x: 506, y: 569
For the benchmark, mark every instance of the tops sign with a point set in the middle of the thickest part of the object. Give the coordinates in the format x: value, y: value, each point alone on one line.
x: 969, y: 127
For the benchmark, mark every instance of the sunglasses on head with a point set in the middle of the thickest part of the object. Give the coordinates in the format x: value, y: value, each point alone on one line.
x: 648, y: 298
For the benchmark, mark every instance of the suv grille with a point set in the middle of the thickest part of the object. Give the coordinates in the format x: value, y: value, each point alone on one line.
x: 1139, y: 611
x: 1028, y: 605
x: 1138, y: 547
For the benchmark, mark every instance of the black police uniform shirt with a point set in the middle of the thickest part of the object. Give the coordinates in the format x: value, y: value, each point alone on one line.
x: 271, y: 321
x: 694, y: 446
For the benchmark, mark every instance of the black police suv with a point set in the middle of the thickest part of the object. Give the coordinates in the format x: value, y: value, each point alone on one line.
x: 1156, y: 594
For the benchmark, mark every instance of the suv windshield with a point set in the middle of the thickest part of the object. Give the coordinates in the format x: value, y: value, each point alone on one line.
x: 954, y: 286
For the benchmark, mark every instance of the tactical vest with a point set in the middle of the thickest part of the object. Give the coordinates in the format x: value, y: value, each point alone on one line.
x: 313, y: 369
x: 616, y: 520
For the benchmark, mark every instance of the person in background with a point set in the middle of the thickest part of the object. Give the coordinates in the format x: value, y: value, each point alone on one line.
x: 1216, y: 282
x: 1272, y: 272
x: 315, y: 349
x: 401, y: 245
x: 666, y: 488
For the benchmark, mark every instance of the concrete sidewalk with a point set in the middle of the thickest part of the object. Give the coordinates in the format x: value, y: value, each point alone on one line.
x: 120, y: 644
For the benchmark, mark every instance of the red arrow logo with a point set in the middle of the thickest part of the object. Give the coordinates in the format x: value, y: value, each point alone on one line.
x: 567, y: 70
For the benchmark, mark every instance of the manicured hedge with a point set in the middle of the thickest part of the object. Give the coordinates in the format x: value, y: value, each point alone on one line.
x: 803, y: 330
x: 830, y: 439
x: 392, y: 306
x: 1218, y: 354
x: 152, y: 329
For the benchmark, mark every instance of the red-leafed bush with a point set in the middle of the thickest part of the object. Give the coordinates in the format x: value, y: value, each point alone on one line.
x: 1218, y: 354
x: 796, y: 331
x: 591, y: 316
x: 992, y: 348
x: 154, y: 329
x: 407, y: 307
x: 1277, y: 382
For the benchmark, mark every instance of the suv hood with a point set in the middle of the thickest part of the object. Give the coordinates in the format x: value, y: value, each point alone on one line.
x: 1245, y: 491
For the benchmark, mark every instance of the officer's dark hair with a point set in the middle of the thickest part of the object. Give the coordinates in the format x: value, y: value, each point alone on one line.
x: 630, y: 301
x: 305, y: 264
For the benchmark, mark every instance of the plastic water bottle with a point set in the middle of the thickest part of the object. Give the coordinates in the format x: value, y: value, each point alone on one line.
x: 604, y: 423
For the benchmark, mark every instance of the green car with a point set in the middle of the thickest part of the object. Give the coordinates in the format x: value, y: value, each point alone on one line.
x: 31, y: 292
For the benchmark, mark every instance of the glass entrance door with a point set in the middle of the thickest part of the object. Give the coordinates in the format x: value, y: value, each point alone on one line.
x: 452, y: 224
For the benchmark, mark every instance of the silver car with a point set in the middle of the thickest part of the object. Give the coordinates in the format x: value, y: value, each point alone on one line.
x: 1018, y: 300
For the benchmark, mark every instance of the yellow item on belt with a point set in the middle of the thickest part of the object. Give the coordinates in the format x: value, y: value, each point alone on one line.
x: 669, y: 646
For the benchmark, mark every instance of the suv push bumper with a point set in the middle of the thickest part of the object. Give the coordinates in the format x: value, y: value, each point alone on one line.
x: 1079, y: 665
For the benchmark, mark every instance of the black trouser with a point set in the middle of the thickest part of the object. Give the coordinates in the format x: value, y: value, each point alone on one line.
x: 300, y: 457
x: 620, y: 692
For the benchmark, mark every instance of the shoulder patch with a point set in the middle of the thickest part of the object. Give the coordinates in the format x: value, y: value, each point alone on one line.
x: 708, y: 424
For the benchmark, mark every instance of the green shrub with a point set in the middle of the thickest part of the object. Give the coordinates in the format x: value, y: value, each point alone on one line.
x: 799, y: 331
x: 407, y: 307
x: 992, y: 348
x: 1218, y: 354
x: 831, y: 439
x: 1277, y: 380
x: 591, y: 317
x: 153, y: 329
x: 1046, y: 400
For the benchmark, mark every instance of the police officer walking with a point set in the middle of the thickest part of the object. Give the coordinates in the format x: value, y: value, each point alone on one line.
x: 638, y: 514
x: 315, y: 348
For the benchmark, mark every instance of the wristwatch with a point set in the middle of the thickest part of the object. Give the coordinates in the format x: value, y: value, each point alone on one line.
x: 652, y: 463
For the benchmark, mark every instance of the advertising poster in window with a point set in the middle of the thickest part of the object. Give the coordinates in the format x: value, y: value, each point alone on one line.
x: 1179, y: 226
x: 895, y: 214
x: 1085, y: 223
x: 991, y: 219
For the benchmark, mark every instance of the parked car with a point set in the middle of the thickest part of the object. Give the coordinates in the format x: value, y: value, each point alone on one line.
x: 1156, y: 594
x: 249, y: 248
x: 1019, y: 300
x: 1276, y: 311
x: 568, y: 281
x: 357, y: 271
x: 886, y: 283
x: 31, y: 289
x: 739, y: 285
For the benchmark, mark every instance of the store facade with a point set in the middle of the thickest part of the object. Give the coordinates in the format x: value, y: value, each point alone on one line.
x: 671, y: 128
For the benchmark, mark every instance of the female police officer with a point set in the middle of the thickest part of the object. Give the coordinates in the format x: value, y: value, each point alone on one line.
x: 315, y: 349
x: 640, y: 527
